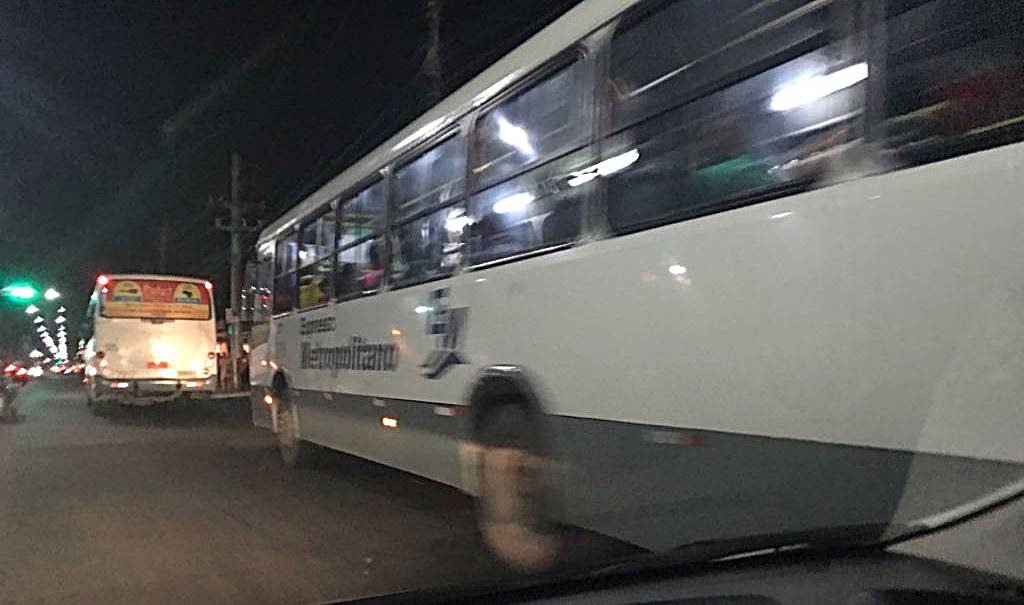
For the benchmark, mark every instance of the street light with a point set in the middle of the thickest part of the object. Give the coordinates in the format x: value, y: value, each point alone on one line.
x: 61, y: 309
x: 38, y: 320
x: 51, y: 294
x: 59, y: 320
x: 31, y: 309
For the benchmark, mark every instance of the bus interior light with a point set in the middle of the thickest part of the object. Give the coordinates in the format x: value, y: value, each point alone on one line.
x: 515, y: 136
x: 607, y: 167
x: 809, y: 90
x: 389, y: 422
x: 514, y: 203
x: 457, y: 221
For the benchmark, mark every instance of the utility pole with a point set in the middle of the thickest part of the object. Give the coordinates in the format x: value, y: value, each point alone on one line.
x: 163, y: 237
x: 236, y: 267
x: 238, y: 227
x: 432, y: 60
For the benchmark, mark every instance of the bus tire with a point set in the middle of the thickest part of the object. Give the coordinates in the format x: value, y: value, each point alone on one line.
x: 295, y: 452
x: 514, y: 490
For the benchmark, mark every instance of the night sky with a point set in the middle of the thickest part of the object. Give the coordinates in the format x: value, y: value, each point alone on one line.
x: 119, y: 117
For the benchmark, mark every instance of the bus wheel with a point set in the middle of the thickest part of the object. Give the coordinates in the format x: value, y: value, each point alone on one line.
x: 295, y: 452
x: 514, y: 490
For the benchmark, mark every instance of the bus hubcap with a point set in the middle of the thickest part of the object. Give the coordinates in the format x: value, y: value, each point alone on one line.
x: 514, y: 524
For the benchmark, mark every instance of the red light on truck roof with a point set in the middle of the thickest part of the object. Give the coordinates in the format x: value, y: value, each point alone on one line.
x: 102, y: 280
x: 208, y: 284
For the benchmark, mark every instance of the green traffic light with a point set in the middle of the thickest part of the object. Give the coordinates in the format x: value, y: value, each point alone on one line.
x: 21, y: 292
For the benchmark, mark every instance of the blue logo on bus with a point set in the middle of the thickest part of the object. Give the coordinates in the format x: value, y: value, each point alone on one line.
x: 447, y: 324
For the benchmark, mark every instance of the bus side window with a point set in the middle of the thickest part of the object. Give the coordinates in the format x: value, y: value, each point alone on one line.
x: 316, y: 263
x: 261, y: 285
x: 285, y: 282
x: 543, y: 121
x: 538, y: 209
x: 360, y: 244
x: 679, y: 152
x: 954, y: 77
x: 536, y: 129
x: 429, y: 213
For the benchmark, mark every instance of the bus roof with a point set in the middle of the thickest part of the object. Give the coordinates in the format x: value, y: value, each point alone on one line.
x: 565, y: 31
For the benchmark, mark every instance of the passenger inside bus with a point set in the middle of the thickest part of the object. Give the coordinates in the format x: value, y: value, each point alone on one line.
x: 563, y: 223
x: 312, y: 290
x: 370, y: 279
x: 346, y: 280
x: 420, y: 248
x: 726, y: 162
x: 951, y: 91
x: 491, y: 238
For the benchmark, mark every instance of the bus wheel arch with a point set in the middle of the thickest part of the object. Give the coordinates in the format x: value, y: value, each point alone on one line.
x: 511, y: 469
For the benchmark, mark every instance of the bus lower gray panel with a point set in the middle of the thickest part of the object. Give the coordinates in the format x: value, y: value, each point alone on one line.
x: 661, y: 487
x: 425, y: 441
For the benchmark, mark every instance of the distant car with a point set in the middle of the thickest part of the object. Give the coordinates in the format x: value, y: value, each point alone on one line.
x: 16, y: 372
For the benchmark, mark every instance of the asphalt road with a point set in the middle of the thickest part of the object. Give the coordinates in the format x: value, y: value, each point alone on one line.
x: 190, y: 504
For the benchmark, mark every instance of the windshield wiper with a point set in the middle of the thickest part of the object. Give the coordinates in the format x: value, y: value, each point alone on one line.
x: 827, y: 539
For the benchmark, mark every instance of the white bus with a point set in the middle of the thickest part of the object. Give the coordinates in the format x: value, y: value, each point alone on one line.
x: 153, y: 339
x: 678, y: 270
